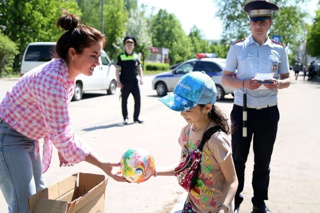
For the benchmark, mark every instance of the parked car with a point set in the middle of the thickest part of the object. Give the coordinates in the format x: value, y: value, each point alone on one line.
x: 165, y: 82
x: 103, y: 78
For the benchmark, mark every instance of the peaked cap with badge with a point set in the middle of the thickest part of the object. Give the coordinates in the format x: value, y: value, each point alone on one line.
x: 260, y: 10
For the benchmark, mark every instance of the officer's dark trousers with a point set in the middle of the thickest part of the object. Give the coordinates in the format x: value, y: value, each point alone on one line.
x: 133, y: 88
x: 262, y: 126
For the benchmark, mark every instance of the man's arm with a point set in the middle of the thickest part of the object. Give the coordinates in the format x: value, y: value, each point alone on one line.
x: 284, y: 81
x: 119, y: 84
x: 140, y: 73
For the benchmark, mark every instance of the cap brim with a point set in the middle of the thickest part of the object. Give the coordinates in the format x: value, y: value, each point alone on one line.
x: 129, y: 41
x: 259, y: 18
x: 177, y: 103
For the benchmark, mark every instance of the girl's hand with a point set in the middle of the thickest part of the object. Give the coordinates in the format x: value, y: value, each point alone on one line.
x: 63, y: 162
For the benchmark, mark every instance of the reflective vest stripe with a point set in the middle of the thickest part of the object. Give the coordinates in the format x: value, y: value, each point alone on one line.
x: 124, y: 57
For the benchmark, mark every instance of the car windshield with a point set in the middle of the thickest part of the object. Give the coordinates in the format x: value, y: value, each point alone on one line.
x: 185, y: 68
x: 39, y: 53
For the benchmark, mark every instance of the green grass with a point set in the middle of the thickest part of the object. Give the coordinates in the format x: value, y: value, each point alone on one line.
x: 146, y: 72
x: 10, y: 75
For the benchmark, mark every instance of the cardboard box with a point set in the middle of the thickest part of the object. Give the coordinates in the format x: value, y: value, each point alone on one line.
x: 81, y: 193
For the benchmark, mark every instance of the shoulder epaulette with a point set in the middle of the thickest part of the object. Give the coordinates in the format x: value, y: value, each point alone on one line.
x: 239, y: 41
x: 277, y: 43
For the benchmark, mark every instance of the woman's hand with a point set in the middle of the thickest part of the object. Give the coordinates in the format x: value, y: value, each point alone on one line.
x: 63, y: 162
x: 108, y: 167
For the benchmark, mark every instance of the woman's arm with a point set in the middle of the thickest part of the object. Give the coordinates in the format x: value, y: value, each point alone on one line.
x: 105, y: 166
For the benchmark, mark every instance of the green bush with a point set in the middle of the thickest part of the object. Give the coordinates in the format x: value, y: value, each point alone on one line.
x: 8, y: 49
x: 157, y: 67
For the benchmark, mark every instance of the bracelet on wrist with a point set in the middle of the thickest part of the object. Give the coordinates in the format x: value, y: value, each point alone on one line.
x: 224, y: 205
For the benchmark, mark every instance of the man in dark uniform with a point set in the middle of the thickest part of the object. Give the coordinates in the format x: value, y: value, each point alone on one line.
x: 262, y: 69
x: 127, y: 68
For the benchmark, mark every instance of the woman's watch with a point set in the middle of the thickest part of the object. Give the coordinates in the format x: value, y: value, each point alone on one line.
x: 278, y: 83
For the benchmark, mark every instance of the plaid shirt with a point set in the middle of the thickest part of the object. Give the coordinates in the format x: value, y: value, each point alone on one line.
x: 37, y: 107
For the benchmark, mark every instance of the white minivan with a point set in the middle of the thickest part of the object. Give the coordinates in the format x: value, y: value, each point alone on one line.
x: 103, y: 78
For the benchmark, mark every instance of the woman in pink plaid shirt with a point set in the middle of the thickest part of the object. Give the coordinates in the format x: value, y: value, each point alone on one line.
x: 37, y: 107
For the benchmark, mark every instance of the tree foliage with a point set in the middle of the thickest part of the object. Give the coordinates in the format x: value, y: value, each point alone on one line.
x: 313, y: 39
x: 167, y: 32
x: 8, y: 49
x: 115, y: 20
x: 91, y: 12
x: 25, y: 21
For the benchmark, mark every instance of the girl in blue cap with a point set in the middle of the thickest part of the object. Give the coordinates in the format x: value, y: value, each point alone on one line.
x: 194, y: 96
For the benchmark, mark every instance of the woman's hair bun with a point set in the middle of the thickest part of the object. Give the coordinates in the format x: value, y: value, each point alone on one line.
x: 67, y: 21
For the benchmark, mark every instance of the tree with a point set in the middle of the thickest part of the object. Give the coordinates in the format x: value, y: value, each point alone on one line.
x: 115, y: 20
x: 198, y: 43
x: 91, y: 12
x: 313, y: 39
x: 26, y: 21
x: 8, y: 49
x: 167, y: 32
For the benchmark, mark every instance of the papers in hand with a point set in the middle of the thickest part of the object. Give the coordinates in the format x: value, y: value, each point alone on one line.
x: 265, y: 78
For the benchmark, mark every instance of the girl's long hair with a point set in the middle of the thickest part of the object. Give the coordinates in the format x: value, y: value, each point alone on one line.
x: 220, y: 118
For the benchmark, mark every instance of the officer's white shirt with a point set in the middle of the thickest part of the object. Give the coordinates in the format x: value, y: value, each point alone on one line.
x: 247, y: 58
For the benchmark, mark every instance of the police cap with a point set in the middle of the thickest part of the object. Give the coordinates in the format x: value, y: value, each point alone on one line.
x: 260, y: 10
x: 129, y: 39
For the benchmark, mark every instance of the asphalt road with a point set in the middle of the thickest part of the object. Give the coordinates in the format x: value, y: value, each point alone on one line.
x: 295, y: 168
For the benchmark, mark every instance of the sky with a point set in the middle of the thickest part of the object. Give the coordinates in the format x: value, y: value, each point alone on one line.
x: 201, y: 13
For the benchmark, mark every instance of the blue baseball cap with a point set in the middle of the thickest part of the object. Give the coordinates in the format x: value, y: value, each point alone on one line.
x: 192, y: 89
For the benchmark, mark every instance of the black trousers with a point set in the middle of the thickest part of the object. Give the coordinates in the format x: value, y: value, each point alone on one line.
x: 262, y: 127
x: 133, y: 88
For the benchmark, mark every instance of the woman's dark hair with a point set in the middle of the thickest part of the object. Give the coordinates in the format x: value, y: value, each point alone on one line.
x: 217, y: 116
x: 78, y: 36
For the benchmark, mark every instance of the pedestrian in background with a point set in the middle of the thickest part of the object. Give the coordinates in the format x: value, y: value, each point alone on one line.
x: 311, y: 71
x: 127, y: 68
x: 304, y: 72
x: 254, y: 58
x: 37, y: 107
x: 297, y: 68
x: 195, y: 96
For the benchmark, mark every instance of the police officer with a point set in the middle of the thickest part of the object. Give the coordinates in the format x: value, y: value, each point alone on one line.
x: 127, y: 68
x: 262, y: 69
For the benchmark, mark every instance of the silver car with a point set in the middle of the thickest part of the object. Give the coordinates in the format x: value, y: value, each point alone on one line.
x: 165, y: 82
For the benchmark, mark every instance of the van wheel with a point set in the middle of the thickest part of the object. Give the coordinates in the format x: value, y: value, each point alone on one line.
x: 220, y: 92
x: 161, y: 89
x: 77, y: 92
x: 112, y: 88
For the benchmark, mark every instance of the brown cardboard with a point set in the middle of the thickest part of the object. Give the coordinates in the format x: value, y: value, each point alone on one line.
x: 81, y: 193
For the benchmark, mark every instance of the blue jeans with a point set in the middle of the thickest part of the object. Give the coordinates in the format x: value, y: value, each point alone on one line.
x: 20, y: 173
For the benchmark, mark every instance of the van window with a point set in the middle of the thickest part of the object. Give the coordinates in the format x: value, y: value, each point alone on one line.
x: 104, y: 59
x: 39, y: 53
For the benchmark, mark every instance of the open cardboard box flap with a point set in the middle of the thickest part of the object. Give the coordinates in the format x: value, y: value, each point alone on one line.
x: 81, y: 192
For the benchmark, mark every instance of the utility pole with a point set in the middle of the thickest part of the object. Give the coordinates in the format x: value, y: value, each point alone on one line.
x: 102, y: 16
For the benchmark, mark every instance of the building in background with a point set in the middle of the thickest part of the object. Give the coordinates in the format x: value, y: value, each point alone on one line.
x: 158, y: 55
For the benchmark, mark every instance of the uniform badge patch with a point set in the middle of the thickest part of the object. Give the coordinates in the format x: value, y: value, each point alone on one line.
x: 275, y: 66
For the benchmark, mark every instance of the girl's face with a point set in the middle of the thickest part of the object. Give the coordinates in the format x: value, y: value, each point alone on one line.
x: 197, y: 114
x: 85, y: 62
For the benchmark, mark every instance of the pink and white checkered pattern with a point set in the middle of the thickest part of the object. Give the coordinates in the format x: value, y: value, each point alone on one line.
x: 37, y: 107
